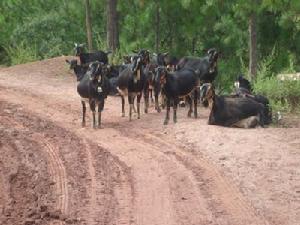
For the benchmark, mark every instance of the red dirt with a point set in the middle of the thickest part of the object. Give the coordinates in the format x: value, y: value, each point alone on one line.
x: 52, y: 171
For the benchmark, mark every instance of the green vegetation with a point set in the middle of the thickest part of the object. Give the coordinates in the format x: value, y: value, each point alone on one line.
x: 31, y: 30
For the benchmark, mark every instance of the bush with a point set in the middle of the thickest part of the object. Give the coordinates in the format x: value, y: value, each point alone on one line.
x: 22, y: 54
x: 283, y: 95
x: 50, y: 35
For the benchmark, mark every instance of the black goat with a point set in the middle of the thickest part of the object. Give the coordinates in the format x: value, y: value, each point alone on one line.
x: 230, y: 111
x: 93, y: 87
x: 165, y: 59
x: 205, y: 67
x: 242, y: 85
x: 86, y: 58
x: 79, y: 70
x: 175, y: 85
x: 244, y: 89
x: 131, y: 81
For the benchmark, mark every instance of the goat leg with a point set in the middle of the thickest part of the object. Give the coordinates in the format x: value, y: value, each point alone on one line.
x: 92, y: 106
x: 175, y: 111
x: 151, y: 95
x: 134, y: 109
x: 130, y: 100
x: 100, y: 109
x: 146, y: 99
x: 189, y: 100
x: 138, y: 104
x: 157, y: 108
x: 195, y: 103
x: 167, y: 113
x: 83, y: 113
x: 123, y: 106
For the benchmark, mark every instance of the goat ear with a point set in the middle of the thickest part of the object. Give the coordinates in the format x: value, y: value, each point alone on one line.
x: 75, y: 44
x: 108, y: 52
x: 154, y: 54
x: 81, y: 45
x: 135, y: 51
x: 67, y: 61
x: 166, y: 53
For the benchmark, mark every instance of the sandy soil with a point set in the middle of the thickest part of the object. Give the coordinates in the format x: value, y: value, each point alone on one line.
x: 53, y: 171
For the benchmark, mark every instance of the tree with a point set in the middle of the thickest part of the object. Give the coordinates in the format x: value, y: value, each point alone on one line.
x: 88, y: 24
x: 157, y: 22
x: 112, y: 25
x: 252, y: 46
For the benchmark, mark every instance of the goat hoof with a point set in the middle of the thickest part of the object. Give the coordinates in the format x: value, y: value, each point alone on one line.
x: 189, y: 115
x: 175, y: 120
x: 159, y: 110
x: 83, y: 124
x: 166, y: 122
x: 146, y: 110
x: 123, y: 114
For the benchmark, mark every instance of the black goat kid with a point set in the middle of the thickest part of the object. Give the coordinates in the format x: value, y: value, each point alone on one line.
x: 175, y: 85
x: 94, y: 88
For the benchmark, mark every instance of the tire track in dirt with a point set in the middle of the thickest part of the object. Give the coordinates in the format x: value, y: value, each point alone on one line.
x: 111, y: 187
x: 196, y: 175
x: 60, y: 176
x: 182, y: 211
x: 164, y: 192
x: 116, y: 195
x: 27, y: 181
x: 92, y: 193
x: 223, y: 198
x: 221, y: 191
x: 55, y: 167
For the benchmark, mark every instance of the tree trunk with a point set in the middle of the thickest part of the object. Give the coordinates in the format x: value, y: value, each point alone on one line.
x: 157, y: 22
x: 112, y: 25
x: 252, y: 46
x: 194, y: 42
x: 88, y: 25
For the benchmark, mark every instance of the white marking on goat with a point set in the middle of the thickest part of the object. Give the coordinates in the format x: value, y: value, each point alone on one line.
x: 122, y: 92
x: 249, y: 122
x: 236, y: 84
x: 85, y: 99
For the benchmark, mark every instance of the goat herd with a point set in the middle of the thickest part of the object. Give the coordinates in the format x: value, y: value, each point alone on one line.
x: 190, y: 78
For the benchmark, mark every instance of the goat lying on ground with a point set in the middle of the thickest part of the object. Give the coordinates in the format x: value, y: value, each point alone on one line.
x: 94, y: 88
x: 243, y: 89
x: 175, y: 85
x: 231, y: 111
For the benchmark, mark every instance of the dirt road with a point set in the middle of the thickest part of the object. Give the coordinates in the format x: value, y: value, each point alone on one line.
x: 52, y: 171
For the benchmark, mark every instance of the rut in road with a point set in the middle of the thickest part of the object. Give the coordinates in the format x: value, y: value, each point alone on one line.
x: 147, y: 179
x: 83, y: 174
